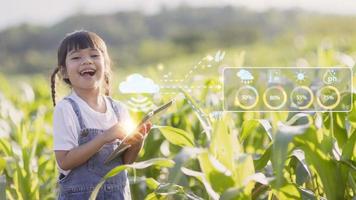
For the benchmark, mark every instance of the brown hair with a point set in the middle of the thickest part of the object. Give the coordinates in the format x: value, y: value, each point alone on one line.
x: 80, y: 40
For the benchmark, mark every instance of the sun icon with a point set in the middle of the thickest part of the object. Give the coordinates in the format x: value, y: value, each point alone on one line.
x: 300, y: 76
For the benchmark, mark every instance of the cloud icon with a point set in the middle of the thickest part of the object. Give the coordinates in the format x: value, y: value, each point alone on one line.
x: 244, y: 75
x: 136, y: 83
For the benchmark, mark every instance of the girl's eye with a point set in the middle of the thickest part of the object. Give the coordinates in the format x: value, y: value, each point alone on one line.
x: 75, y: 58
x: 95, y: 55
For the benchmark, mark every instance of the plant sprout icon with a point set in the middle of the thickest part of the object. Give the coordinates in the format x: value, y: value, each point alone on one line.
x: 245, y: 76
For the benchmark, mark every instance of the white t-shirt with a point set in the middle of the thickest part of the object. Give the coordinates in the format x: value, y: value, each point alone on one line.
x: 66, y: 128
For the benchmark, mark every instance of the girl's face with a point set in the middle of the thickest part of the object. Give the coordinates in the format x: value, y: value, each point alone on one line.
x: 85, y: 68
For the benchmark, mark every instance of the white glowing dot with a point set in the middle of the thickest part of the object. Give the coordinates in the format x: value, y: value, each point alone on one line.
x: 300, y: 76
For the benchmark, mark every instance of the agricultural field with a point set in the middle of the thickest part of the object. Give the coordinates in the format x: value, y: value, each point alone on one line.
x: 192, y: 152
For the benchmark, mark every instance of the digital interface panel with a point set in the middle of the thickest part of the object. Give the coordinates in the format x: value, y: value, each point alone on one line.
x: 288, y: 89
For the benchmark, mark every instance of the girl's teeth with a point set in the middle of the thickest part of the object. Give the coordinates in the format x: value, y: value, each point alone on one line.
x: 89, y: 72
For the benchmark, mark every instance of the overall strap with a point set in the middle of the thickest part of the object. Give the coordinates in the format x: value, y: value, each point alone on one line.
x: 77, y: 112
x: 114, y: 106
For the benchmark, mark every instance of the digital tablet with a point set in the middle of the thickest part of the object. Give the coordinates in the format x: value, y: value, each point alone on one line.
x: 122, y: 146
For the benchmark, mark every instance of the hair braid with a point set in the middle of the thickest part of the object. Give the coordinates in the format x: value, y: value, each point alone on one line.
x: 107, y: 84
x: 53, y: 85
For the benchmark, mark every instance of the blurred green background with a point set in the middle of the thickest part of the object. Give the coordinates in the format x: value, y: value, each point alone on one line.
x: 137, y: 40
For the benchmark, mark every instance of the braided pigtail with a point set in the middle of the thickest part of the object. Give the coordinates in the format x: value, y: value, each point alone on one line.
x: 107, y: 84
x: 53, y: 85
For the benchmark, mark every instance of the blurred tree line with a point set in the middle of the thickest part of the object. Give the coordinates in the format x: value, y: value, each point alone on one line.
x: 135, y: 38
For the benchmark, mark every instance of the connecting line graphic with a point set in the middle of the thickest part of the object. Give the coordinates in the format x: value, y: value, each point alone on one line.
x: 191, y: 87
x: 188, y: 88
x: 174, y: 84
x: 194, y: 69
x: 204, y: 61
x: 172, y: 80
x: 187, y: 75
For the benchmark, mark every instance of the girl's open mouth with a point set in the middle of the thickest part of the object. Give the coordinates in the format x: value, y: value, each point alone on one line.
x: 90, y: 72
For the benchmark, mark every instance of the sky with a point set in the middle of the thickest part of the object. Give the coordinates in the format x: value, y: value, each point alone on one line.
x: 47, y: 12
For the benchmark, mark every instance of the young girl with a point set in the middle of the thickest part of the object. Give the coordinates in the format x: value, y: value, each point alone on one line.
x: 87, y: 123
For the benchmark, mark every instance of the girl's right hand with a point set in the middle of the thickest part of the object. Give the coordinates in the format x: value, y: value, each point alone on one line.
x: 113, y: 133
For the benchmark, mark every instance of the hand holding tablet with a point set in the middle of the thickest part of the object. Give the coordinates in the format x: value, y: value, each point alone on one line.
x: 122, y: 145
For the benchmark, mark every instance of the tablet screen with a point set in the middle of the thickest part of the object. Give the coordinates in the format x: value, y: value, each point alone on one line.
x: 154, y: 112
x: 122, y: 146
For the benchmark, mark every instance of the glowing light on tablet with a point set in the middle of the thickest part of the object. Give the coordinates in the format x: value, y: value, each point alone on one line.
x: 129, y: 127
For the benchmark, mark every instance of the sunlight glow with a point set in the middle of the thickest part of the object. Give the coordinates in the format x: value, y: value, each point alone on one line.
x: 130, y: 127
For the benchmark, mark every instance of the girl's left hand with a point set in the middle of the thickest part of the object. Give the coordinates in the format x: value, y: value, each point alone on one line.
x: 139, y: 137
x: 145, y: 128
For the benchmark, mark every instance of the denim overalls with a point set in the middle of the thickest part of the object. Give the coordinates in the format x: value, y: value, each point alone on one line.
x: 81, y: 181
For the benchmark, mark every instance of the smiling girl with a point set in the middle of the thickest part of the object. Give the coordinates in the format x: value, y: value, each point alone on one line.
x: 88, y: 123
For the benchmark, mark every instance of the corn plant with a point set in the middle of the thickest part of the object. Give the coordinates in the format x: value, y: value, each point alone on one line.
x: 26, y: 148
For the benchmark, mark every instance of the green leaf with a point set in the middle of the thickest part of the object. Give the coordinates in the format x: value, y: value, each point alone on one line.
x: 249, y: 126
x: 202, y: 178
x: 261, y: 162
x: 159, y: 162
x: 287, y: 192
x: 152, y: 183
x: 95, y: 192
x: 302, y: 171
x: 245, y: 192
x: 177, y: 136
x: 337, y: 121
x: 317, y: 154
x: 307, y: 194
x: 279, y: 156
x: 244, y: 168
x: 217, y: 174
x: 224, y: 144
x: 174, y: 174
x: 234, y: 194
x: 284, y: 136
x: 204, y: 120
x: 349, y: 149
x: 169, y: 189
x: 352, y: 114
x: 6, y: 147
x: 116, y: 171
x: 2, y: 164
x: 153, y: 196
